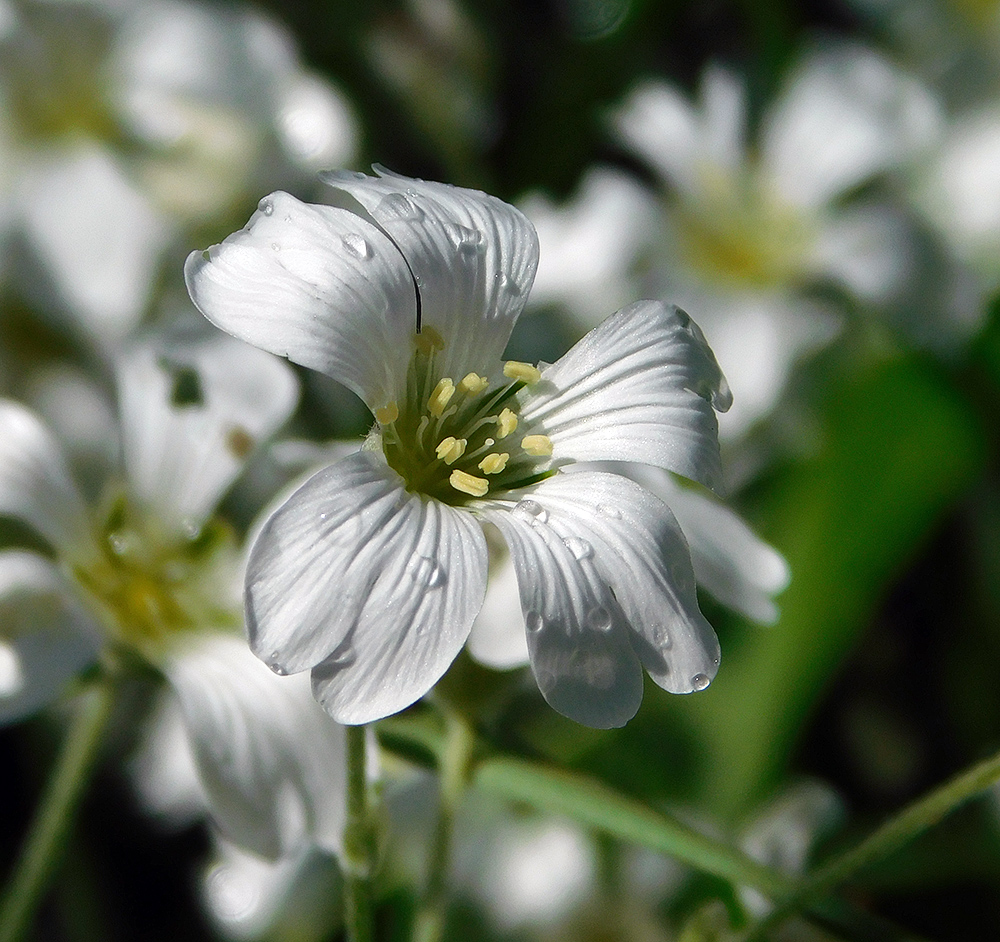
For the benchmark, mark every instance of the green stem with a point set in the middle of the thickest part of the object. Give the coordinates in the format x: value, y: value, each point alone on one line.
x: 359, y: 840
x: 918, y: 817
x: 40, y: 855
x: 454, y: 770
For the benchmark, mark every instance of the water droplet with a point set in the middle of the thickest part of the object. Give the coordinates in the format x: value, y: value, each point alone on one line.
x: 508, y: 285
x: 266, y: 206
x: 700, y: 681
x: 275, y: 247
x: 599, y: 619
x: 661, y: 638
x: 191, y: 529
x: 276, y: 668
x: 397, y: 206
x: 469, y: 242
x: 356, y: 245
x: 426, y: 572
x: 530, y: 511
x: 580, y: 548
x: 534, y: 622
x: 609, y: 511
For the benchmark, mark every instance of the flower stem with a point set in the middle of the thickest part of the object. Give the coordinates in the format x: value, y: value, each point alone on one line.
x: 916, y: 818
x: 40, y: 855
x: 454, y: 770
x: 359, y: 840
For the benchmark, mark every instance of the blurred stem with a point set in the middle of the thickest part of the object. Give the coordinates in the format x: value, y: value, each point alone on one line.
x: 924, y: 813
x: 454, y: 770
x: 359, y: 840
x: 46, y: 839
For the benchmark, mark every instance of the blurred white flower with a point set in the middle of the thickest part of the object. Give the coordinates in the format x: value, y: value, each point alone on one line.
x: 742, y: 229
x: 372, y: 573
x: 149, y: 568
x: 121, y: 123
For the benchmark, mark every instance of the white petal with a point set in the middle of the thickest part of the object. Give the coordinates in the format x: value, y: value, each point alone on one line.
x: 374, y: 588
x: 35, y: 483
x: 47, y: 637
x: 723, y: 100
x: 271, y: 761
x: 640, y: 551
x: 588, y: 246
x: 99, y: 239
x: 317, y: 284
x: 847, y: 114
x: 661, y: 125
x: 472, y: 255
x: 578, y: 635
x: 192, y: 412
x: 730, y: 561
x: 498, y: 636
x: 642, y: 386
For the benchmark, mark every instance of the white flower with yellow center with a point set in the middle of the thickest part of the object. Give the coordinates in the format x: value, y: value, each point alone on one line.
x: 150, y: 573
x: 372, y: 573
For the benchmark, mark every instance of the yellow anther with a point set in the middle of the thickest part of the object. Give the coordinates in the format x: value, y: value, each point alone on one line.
x: 525, y: 372
x: 387, y: 414
x: 469, y: 483
x: 506, y: 423
x: 473, y: 383
x: 538, y: 445
x: 441, y: 396
x: 450, y: 449
x: 428, y: 340
x: 494, y: 463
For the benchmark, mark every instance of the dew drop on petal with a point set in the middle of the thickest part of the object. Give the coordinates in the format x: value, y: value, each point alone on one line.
x: 534, y: 622
x: 661, y: 638
x: 277, y: 668
x: 700, y: 681
x: 469, y: 242
x: 599, y: 619
x: 426, y: 572
x: 609, y: 511
x: 275, y: 247
x: 580, y: 548
x: 530, y: 511
x: 356, y: 245
x: 508, y: 285
x: 397, y: 206
x: 266, y: 206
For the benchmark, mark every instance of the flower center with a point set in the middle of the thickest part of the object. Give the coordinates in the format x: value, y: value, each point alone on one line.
x: 458, y: 438
x: 737, y: 232
x: 148, y: 586
x: 52, y: 70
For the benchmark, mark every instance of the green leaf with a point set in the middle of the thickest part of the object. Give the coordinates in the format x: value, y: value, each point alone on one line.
x: 901, y: 445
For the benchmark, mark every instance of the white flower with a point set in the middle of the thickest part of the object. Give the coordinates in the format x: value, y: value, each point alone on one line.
x: 151, y: 570
x: 122, y: 123
x: 372, y: 573
x: 741, y: 229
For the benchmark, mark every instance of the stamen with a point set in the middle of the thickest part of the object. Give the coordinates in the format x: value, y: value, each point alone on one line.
x: 450, y: 449
x: 494, y: 463
x: 441, y: 396
x: 523, y: 372
x: 428, y: 340
x: 538, y: 445
x: 469, y: 483
x: 472, y: 384
x: 387, y: 414
x: 506, y: 423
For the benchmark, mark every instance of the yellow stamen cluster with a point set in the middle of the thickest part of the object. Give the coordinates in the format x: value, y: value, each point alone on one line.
x: 442, y: 438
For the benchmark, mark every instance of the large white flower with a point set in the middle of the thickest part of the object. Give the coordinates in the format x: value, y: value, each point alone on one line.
x: 741, y: 228
x: 150, y: 570
x: 372, y: 573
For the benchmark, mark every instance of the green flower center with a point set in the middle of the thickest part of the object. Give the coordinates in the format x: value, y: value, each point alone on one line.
x: 460, y: 438
x: 52, y: 70
x: 149, y: 586
x: 739, y: 233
